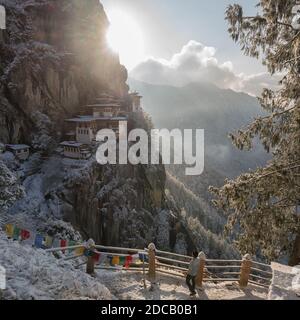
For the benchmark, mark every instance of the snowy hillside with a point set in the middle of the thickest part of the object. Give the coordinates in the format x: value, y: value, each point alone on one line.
x: 33, y: 274
x: 286, y: 283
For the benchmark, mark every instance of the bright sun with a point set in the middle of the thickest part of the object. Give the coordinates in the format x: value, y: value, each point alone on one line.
x: 125, y: 37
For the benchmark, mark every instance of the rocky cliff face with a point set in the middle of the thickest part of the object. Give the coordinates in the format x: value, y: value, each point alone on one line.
x: 54, y: 59
x: 115, y: 205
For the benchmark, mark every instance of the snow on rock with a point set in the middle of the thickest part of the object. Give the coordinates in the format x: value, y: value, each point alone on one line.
x: 180, y: 245
x: 285, y: 283
x: 10, y: 190
x: 40, y: 178
x: 36, y: 275
x: 163, y: 227
x: 9, y: 160
x: 42, y: 140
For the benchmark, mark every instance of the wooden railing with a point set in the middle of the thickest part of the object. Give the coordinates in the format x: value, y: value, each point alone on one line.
x: 243, y: 271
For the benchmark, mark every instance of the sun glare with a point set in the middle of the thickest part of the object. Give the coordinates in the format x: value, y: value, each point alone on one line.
x: 125, y: 37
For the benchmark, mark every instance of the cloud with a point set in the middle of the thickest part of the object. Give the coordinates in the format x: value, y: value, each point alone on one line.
x: 254, y: 84
x: 198, y: 63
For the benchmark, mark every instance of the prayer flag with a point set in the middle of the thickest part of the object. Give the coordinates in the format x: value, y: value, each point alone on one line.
x: 143, y: 257
x: 88, y: 253
x: 25, y: 234
x: 56, y: 243
x: 9, y: 229
x: 71, y: 244
x: 109, y: 259
x: 80, y: 251
x: 38, y: 242
x: 103, y: 258
x: 48, y: 242
x: 128, y: 261
x: 136, y: 259
x: 63, y: 244
x: 16, y: 234
x: 32, y: 239
x: 96, y: 256
x: 115, y: 261
x: 122, y: 261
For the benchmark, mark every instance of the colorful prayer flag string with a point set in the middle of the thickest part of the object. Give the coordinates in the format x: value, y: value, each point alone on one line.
x: 38, y: 240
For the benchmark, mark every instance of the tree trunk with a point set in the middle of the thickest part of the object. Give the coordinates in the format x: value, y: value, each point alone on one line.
x: 295, y: 255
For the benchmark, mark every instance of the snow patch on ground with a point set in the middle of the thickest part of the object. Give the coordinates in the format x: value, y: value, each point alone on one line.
x: 33, y: 274
x: 127, y: 285
x: 285, y: 283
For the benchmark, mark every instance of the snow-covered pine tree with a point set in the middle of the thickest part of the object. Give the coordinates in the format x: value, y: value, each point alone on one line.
x: 264, y: 204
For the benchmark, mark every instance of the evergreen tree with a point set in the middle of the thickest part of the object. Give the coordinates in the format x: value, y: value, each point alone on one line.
x: 264, y: 204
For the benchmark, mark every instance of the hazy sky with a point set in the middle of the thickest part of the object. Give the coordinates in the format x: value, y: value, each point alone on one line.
x: 167, y: 25
x: 185, y: 41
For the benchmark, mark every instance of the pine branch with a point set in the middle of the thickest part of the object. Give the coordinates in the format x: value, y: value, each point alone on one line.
x: 273, y: 115
x: 276, y: 171
x: 265, y: 20
x: 281, y: 112
x: 291, y: 60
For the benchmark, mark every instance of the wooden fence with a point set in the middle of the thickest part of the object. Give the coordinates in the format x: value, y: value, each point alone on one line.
x: 242, y: 271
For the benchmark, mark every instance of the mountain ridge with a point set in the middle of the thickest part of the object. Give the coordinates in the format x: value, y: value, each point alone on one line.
x: 205, y: 106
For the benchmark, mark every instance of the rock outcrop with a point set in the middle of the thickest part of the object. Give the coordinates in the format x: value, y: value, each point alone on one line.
x: 54, y: 59
x: 114, y: 204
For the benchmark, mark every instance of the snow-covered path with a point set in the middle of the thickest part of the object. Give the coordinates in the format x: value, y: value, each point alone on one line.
x: 129, y: 286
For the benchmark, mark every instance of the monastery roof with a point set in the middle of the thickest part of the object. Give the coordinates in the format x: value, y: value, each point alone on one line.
x: 71, y: 144
x: 104, y: 105
x: 106, y: 95
x: 135, y: 93
x: 107, y: 98
x: 17, y: 146
x: 71, y: 133
x: 83, y: 119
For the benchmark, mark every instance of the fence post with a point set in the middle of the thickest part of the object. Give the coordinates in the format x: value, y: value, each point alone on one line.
x: 200, y: 274
x: 152, y: 273
x: 90, y: 265
x: 245, y: 271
